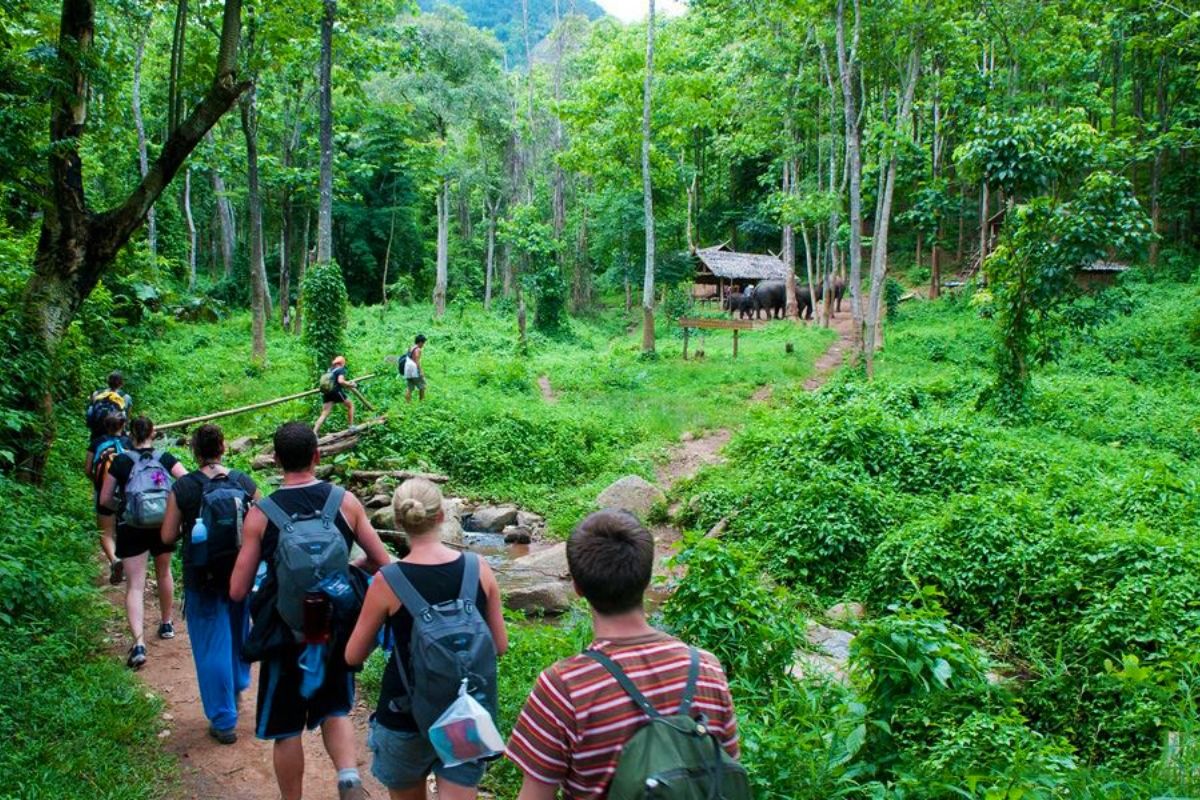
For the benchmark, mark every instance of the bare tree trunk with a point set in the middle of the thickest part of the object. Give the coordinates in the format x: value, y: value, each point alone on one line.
x: 491, y: 207
x: 77, y: 244
x: 559, y: 201
x: 224, y: 214
x: 298, y: 321
x: 186, y: 203
x: 139, y: 123
x: 879, y: 253
x: 325, y: 183
x: 1156, y: 169
x: 648, y: 191
x: 387, y: 253
x: 847, y: 69
x: 984, y: 213
x: 443, y: 246
x: 582, y: 285
x: 808, y: 265
x: 792, y: 304
x: 259, y: 297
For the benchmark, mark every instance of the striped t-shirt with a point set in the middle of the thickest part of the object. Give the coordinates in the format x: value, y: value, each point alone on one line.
x: 577, y: 718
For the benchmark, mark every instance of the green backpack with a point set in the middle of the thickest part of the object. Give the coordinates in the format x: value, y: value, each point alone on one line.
x: 676, y: 757
x: 327, y: 383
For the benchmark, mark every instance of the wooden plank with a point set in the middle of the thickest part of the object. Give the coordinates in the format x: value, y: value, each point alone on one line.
x: 717, y: 324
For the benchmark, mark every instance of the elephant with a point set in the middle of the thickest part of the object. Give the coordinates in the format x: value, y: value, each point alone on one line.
x: 736, y: 302
x: 770, y: 296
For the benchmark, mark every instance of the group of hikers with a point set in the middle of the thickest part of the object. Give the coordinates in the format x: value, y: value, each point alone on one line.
x: 336, y: 386
x: 275, y: 580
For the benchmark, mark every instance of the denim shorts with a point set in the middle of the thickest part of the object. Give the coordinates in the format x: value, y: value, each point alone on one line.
x: 402, y: 759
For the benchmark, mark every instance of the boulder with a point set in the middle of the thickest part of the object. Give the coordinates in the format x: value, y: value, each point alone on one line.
x: 548, y: 597
x: 242, y: 444
x: 384, y: 517
x: 632, y: 493
x: 378, y: 501
x: 493, y: 519
x: 452, y: 531
x: 831, y: 642
x: 845, y: 612
x: 550, y: 562
x: 529, y: 520
x: 517, y: 534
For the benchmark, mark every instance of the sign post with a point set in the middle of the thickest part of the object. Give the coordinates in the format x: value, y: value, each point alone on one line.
x: 734, y: 325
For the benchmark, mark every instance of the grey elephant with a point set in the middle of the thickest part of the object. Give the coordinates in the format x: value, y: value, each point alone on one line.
x: 738, y: 303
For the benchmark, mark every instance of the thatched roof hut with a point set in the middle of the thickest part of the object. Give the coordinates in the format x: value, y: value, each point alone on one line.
x: 720, y: 267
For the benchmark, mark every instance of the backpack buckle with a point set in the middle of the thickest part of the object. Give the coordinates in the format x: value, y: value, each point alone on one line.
x: 427, y: 615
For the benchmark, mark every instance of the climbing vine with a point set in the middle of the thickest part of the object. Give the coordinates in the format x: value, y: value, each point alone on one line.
x: 325, y: 302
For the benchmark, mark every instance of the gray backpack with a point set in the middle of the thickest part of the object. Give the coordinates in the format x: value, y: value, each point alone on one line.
x: 146, y: 491
x: 450, y: 641
x: 310, y: 549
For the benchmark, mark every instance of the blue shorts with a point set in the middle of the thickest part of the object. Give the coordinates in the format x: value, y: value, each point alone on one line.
x: 402, y: 759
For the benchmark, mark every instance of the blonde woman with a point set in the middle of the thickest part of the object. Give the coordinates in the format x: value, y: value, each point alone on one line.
x: 403, y: 754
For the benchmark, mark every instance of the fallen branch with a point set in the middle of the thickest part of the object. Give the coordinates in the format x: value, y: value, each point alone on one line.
x: 328, y: 445
x: 184, y: 423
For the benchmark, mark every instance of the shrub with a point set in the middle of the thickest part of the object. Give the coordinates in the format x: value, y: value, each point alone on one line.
x: 325, y: 301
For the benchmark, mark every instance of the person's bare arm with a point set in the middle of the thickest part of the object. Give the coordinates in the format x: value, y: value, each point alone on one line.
x: 107, y: 492
x: 246, y: 566
x: 365, y: 535
x: 344, y: 381
x: 178, y: 471
x: 377, y: 607
x: 533, y: 789
x: 87, y: 465
x: 495, y: 607
x: 171, y: 521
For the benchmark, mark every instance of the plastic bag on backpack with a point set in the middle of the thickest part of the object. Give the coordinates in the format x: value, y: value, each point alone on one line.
x: 465, y: 732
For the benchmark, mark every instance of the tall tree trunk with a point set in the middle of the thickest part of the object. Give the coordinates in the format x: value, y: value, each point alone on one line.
x: 325, y: 137
x: 808, y: 264
x: 226, y: 235
x: 788, y: 246
x: 443, y: 246
x: 387, y: 253
x: 298, y: 321
x: 259, y: 297
x: 879, y: 253
x: 559, y: 200
x: 647, y: 191
x: 529, y: 154
x: 1156, y: 169
x: 491, y: 207
x: 78, y: 244
x: 140, y: 125
x: 582, y: 284
x: 984, y: 214
x: 962, y: 224
x: 185, y: 201
x: 847, y: 70
x: 175, y: 77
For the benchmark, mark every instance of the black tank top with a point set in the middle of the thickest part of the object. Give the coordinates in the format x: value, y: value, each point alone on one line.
x: 302, y: 501
x: 437, y: 583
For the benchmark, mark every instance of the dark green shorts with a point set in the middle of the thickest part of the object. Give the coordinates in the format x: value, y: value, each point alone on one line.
x: 416, y: 383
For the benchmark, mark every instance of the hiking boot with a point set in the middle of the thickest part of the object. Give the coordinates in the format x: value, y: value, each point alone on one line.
x: 223, y: 737
x: 166, y: 630
x: 352, y: 791
x: 137, y: 657
x: 116, y: 573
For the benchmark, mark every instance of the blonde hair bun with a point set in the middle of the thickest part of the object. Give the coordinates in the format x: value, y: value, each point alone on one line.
x: 417, y: 503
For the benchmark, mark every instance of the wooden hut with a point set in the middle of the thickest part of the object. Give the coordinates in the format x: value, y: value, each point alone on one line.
x: 1098, y: 275
x: 719, y: 269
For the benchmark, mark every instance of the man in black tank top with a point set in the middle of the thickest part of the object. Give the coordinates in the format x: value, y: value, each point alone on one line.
x: 283, y: 713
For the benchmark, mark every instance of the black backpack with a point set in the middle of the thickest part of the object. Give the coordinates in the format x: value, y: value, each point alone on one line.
x: 101, y: 404
x: 223, y: 504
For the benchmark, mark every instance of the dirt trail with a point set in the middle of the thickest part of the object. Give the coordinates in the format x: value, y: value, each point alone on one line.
x: 243, y: 771
x: 210, y: 771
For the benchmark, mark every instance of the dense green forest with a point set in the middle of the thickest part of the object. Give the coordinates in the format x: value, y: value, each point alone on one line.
x: 216, y: 197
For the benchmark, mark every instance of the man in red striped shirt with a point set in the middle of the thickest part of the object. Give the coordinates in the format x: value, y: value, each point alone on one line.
x: 577, y: 718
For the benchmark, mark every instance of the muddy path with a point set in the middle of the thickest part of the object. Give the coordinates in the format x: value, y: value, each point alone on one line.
x: 243, y: 771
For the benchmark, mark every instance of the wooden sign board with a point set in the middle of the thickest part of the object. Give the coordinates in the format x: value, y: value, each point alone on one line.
x: 734, y: 325
x: 717, y: 324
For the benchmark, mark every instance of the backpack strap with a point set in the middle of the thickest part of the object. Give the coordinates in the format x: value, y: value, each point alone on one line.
x: 333, y: 504
x: 470, y: 581
x: 630, y: 688
x: 275, y: 514
x: 689, y: 689
x: 399, y: 583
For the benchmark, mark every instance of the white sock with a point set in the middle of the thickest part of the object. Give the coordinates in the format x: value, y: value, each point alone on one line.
x: 348, y: 777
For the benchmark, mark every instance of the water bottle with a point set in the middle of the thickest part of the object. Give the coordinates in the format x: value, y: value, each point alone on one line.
x: 199, y: 543
x: 318, y: 613
x: 260, y: 575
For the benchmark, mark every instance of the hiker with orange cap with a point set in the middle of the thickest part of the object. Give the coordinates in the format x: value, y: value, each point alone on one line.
x: 334, y: 391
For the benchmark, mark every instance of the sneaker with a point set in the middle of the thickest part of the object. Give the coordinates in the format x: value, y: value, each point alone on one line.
x: 223, y: 737
x: 166, y: 630
x: 352, y: 791
x: 137, y: 657
x: 116, y: 573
